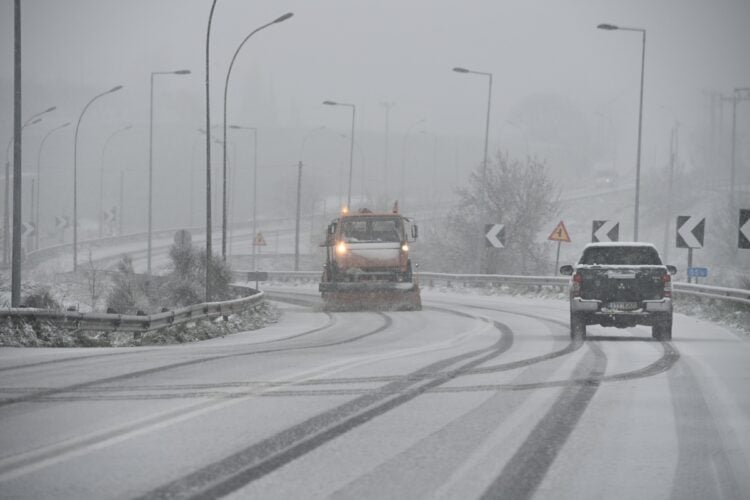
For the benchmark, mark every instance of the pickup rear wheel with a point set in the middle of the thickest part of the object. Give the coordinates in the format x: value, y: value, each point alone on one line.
x: 662, y: 330
x: 577, y: 326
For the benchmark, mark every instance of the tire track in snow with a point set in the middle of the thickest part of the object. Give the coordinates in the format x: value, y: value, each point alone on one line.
x: 259, y: 459
x: 38, y: 394
x: 525, y: 470
x: 43, y: 457
x: 670, y: 355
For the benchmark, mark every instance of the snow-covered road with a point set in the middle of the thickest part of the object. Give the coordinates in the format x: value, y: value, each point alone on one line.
x: 474, y: 396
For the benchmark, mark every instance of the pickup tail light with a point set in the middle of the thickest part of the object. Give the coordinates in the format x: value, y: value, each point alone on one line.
x: 666, y: 279
x: 575, y: 285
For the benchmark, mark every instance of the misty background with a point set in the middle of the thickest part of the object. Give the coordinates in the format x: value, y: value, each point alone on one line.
x: 564, y: 92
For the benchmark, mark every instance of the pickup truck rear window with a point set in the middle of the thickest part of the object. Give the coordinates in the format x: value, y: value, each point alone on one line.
x: 621, y: 256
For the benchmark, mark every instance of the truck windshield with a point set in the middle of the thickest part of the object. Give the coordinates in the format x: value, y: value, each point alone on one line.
x: 623, y: 256
x: 372, y: 230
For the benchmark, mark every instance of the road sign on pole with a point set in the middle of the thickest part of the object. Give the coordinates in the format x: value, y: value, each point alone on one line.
x: 744, y: 237
x: 260, y: 241
x: 605, y: 231
x: 560, y: 233
x: 690, y: 231
x: 494, y: 235
x: 183, y: 238
x: 697, y: 272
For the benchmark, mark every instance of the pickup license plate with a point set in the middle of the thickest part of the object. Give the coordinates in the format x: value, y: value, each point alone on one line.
x: 623, y: 306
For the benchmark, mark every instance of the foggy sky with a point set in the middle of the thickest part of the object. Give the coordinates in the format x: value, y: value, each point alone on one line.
x: 371, y: 51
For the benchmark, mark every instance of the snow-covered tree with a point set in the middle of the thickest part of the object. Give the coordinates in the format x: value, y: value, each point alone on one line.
x: 517, y: 193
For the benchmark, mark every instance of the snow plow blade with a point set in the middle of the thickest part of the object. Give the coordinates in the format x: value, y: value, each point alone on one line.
x: 366, y: 296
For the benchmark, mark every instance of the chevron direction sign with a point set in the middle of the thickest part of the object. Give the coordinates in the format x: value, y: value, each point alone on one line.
x: 110, y: 215
x: 494, y: 235
x: 690, y: 231
x: 61, y: 222
x: 605, y: 231
x: 28, y: 229
x: 744, y: 241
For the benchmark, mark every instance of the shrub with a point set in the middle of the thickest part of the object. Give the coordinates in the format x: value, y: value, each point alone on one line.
x: 129, y: 290
x: 41, y: 298
x: 186, y: 284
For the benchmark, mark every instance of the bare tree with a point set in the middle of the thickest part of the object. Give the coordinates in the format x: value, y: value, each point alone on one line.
x: 94, y: 280
x: 518, y: 194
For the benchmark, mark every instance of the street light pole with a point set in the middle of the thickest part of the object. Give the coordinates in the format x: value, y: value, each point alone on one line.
x: 208, y: 160
x: 33, y: 120
x: 351, y: 149
x: 299, y: 195
x: 39, y: 181
x: 224, y: 161
x: 151, y: 161
x: 612, y: 27
x: 487, y: 122
x: 75, y: 174
x: 403, y: 159
x: 15, y: 297
x: 101, y: 178
x: 387, y: 106
x: 7, y: 210
x: 736, y: 98
x: 255, y: 185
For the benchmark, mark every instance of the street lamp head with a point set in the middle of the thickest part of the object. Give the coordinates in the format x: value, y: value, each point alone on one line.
x: 182, y: 72
x: 460, y: 70
x: 284, y: 17
x: 114, y: 89
x: 37, y: 120
x: 608, y: 27
x: 64, y: 125
x: 50, y: 109
x: 330, y: 103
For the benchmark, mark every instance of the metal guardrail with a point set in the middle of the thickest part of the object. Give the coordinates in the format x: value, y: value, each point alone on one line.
x: 74, y: 320
x: 714, y: 292
x: 499, y: 279
x: 737, y: 295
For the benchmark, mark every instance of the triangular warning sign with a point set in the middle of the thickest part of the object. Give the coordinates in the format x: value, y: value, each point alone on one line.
x: 560, y: 233
x: 260, y: 241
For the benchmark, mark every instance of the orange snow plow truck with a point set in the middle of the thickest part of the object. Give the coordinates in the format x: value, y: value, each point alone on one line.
x: 367, y: 263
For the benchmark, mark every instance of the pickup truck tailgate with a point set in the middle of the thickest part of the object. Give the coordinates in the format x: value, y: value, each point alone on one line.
x: 622, y: 284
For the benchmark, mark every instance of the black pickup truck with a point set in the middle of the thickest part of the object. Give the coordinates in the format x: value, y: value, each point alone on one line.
x: 621, y: 285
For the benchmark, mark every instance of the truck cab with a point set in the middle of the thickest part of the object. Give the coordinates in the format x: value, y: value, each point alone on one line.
x: 370, y: 246
x: 368, y: 262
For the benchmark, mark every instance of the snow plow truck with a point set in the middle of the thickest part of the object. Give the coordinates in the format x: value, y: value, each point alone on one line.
x: 367, y: 263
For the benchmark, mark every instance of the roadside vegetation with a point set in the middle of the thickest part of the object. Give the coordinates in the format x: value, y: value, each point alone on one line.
x: 123, y: 291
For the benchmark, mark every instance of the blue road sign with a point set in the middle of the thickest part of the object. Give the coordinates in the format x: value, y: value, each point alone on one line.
x: 697, y: 272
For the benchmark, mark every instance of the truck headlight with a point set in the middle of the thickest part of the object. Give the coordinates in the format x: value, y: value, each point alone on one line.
x: 405, y: 247
x: 341, y: 248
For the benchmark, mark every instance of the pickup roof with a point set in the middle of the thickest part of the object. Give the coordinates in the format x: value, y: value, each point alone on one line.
x: 621, y: 285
